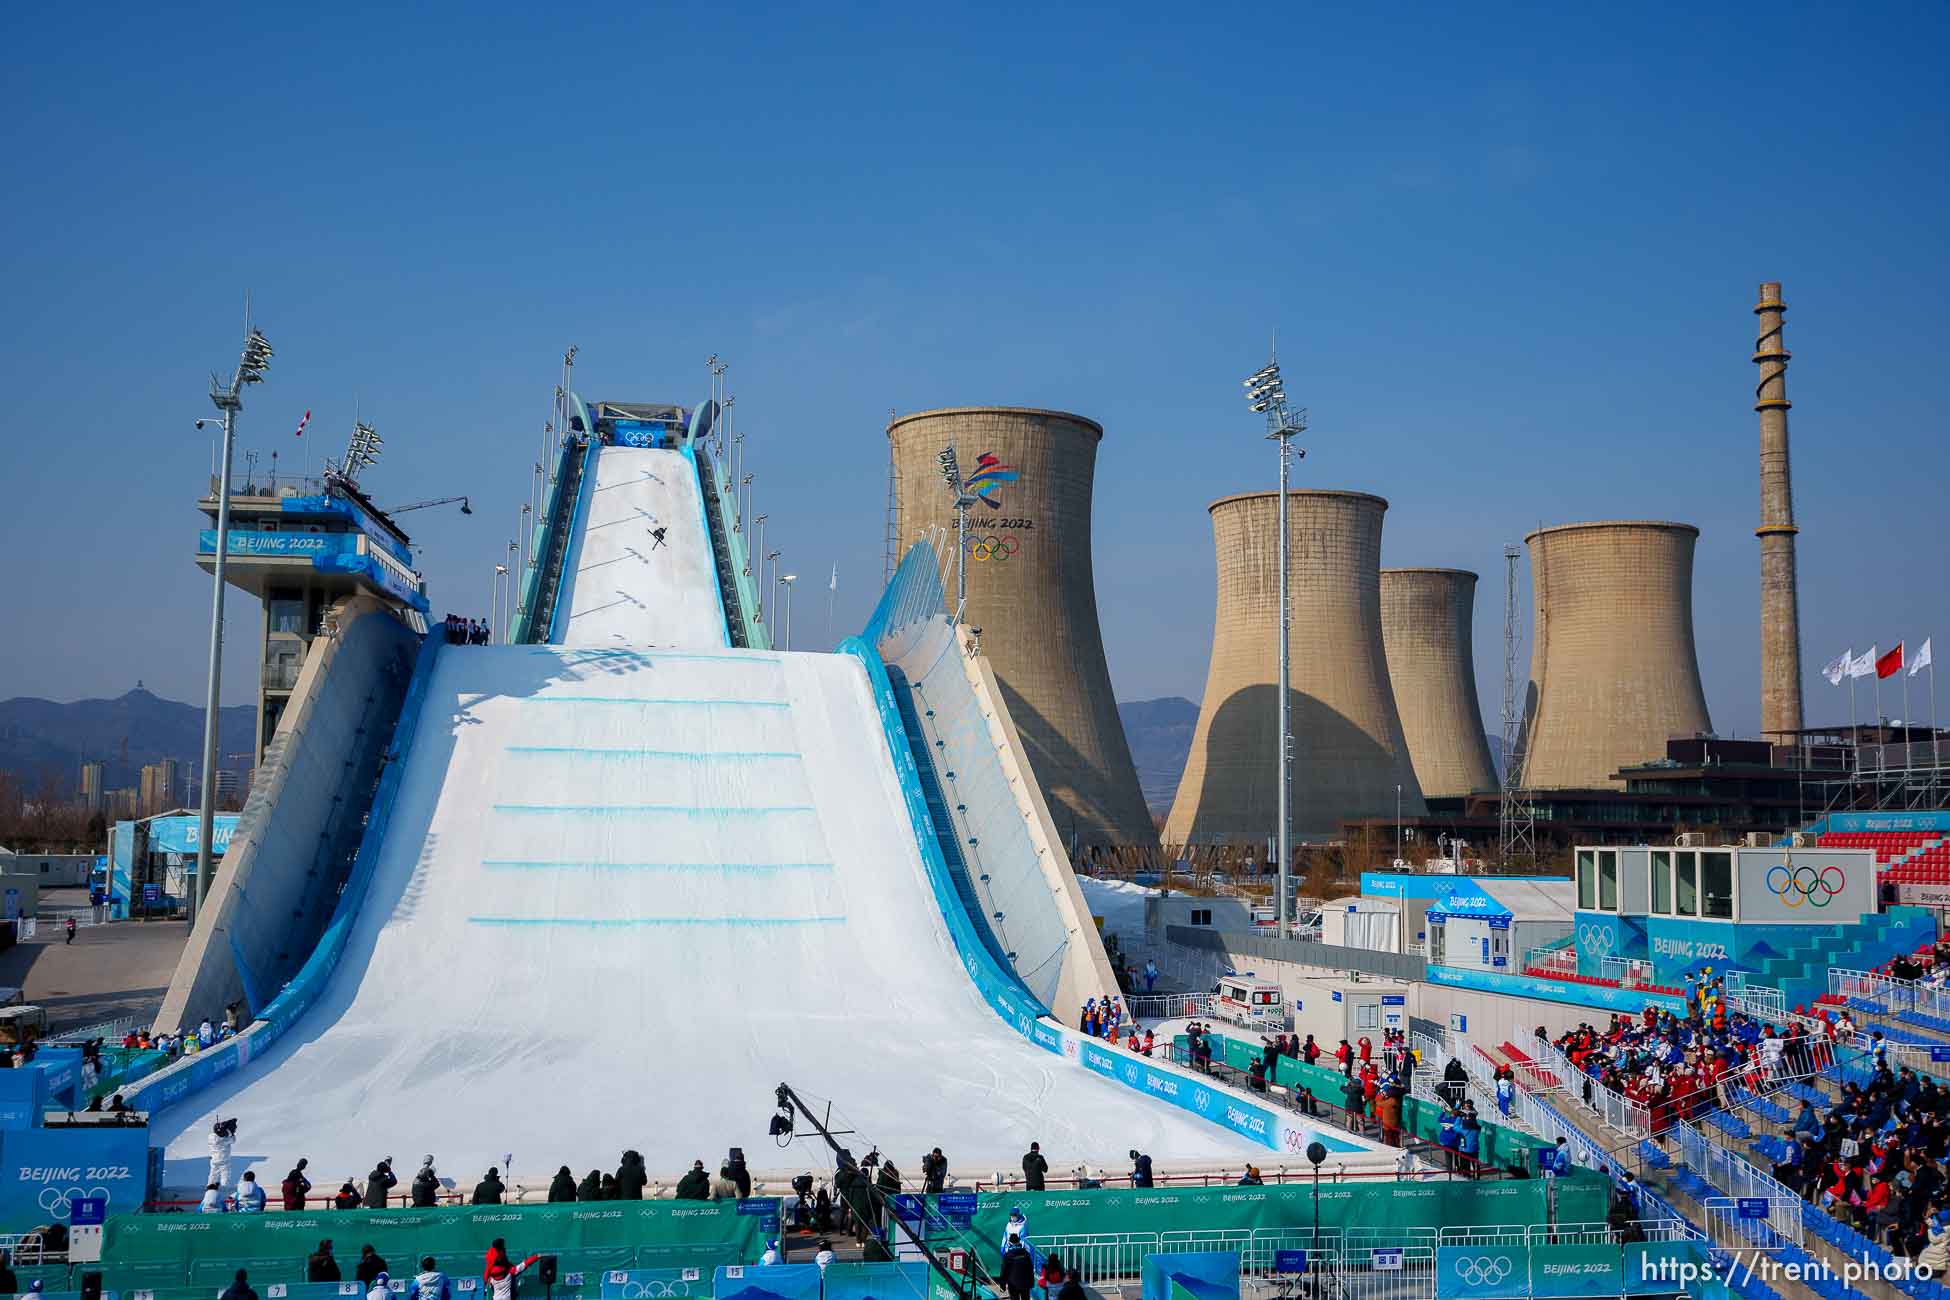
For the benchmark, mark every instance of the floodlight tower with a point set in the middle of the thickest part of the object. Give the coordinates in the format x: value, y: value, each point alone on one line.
x: 1266, y: 394
x: 963, y: 499
x: 226, y: 397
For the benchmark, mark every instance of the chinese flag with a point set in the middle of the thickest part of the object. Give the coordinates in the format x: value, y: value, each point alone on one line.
x: 1892, y: 663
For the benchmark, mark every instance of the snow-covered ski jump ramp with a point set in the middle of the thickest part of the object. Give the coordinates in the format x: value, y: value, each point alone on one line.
x: 615, y: 890
x: 639, y: 571
x: 623, y: 895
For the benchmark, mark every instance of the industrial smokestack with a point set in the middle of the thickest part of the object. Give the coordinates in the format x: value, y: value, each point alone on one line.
x: 1780, y: 600
x: 1613, y: 671
x: 1427, y: 618
x: 1349, y: 754
x: 1032, y: 592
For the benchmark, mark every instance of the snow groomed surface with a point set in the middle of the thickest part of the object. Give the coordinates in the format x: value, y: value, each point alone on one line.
x: 623, y: 585
x: 623, y: 895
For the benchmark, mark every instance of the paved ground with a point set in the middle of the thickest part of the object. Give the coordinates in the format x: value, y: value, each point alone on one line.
x: 108, y: 971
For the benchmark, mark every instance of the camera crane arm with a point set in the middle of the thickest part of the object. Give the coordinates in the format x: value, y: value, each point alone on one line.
x: 790, y: 1101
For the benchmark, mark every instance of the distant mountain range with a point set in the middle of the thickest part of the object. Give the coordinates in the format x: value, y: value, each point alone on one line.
x: 44, y: 743
x: 1160, y: 736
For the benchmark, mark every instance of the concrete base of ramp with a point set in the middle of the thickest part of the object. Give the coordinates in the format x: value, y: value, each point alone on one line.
x: 624, y: 894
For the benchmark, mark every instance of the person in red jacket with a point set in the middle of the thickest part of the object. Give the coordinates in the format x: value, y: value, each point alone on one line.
x: 500, y: 1273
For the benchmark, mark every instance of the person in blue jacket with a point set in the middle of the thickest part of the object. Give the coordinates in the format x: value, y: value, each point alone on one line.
x: 1140, y: 1170
x: 1469, y: 1137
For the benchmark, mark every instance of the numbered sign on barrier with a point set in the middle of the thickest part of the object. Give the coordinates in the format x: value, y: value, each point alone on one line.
x: 1289, y: 1261
x: 1387, y: 1260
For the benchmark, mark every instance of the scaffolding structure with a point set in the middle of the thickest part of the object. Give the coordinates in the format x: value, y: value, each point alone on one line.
x: 1516, y: 819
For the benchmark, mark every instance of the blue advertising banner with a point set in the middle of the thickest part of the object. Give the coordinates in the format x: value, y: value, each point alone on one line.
x: 757, y: 1282
x: 1888, y: 821
x: 61, y: 1068
x: 657, y: 1284
x: 1665, y: 1267
x: 178, y: 834
x: 1530, y: 986
x: 298, y: 545
x: 1194, y: 1275
x: 1583, y: 1270
x: 1482, y: 1272
x: 43, y: 1170
x: 23, y: 1096
x: 877, y: 1281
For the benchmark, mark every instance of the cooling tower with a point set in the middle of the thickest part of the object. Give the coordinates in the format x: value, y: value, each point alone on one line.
x: 1780, y: 602
x: 1427, y: 628
x: 1032, y: 594
x: 1348, y: 750
x: 1613, y: 672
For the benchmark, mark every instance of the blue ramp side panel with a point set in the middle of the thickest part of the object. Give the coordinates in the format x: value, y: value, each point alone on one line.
x: 944, y: 824
x: 997, y: 982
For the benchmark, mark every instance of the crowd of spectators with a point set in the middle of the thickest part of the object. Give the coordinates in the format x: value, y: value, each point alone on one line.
x: 1681, y: 1067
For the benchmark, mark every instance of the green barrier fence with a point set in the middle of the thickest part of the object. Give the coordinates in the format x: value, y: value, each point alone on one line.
x: 1501, y: 1146
x: 152, y: 1251
x: 1443, y: 1203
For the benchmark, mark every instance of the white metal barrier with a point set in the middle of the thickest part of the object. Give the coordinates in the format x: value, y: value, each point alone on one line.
x: 1168, y: 1006
x: 1619, y: 1112
x: 1893, y: 995
x: 1739, y: 1180
x: 1732, y: 1225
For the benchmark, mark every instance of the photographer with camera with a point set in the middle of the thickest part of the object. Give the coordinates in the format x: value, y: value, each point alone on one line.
x: 223, y: 1137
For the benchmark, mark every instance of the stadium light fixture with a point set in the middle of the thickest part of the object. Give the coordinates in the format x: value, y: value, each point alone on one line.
x: 252, y: 364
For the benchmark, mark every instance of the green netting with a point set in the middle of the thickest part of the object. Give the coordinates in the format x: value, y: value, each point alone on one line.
x: 151, y: 1251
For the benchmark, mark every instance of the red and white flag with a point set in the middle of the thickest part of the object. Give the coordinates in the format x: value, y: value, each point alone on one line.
x: 301, y: 425
x: 1890, y: 664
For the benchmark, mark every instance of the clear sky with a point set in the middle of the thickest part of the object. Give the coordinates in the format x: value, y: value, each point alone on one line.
x: 1512, y: 257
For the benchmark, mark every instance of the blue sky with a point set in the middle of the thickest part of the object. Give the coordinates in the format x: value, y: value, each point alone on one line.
x: 1512, y: 257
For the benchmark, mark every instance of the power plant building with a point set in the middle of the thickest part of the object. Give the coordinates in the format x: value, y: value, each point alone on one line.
x: 1427, y: 618
x: 1613, y: 670
x: 1032, y: 593
x: 1350, y: 757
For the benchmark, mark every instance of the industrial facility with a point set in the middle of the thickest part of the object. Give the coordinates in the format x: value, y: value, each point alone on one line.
x: 1613, y: 672
x: 1032, y: 595
x: 1426, y: 630
x: 1350, y: 758
x: 1780, y: 601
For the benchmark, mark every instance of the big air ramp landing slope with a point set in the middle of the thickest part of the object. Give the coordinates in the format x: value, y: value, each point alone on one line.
x: 639, y: 570
x: 625, y: 894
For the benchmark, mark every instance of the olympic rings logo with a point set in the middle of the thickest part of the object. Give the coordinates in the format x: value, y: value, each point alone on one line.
x: 649, y: 1288
x: 995, y: 548
x: 1805, y: 884
x: 1596, y: 938
x: 1483, y: 1270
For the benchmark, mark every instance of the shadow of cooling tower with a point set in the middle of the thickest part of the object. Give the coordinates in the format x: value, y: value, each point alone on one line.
x: 1333, y: 763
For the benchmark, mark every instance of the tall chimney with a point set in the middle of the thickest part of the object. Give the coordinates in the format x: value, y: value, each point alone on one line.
x: 1780, y: 605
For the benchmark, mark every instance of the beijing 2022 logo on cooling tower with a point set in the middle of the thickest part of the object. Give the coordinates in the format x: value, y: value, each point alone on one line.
x: 1798, y: 885
x: 989, y: 476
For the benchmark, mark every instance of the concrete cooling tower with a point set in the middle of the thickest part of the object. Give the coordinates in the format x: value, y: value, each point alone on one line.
x: 1427, y: 618
x: 1613, y: 672
x: 1348, y: 750
x: 1032, y: 594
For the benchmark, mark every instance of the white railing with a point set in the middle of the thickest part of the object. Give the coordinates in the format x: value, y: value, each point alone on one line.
x: 1630, y: 972
x: 1619, y: 1112
x: 1894, y: 995
x: 1524, y: 1111
x: 1756, y: 1000
x: 1738, y: 1179
x: 24, y: 1248
x: 1168, y: 1006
